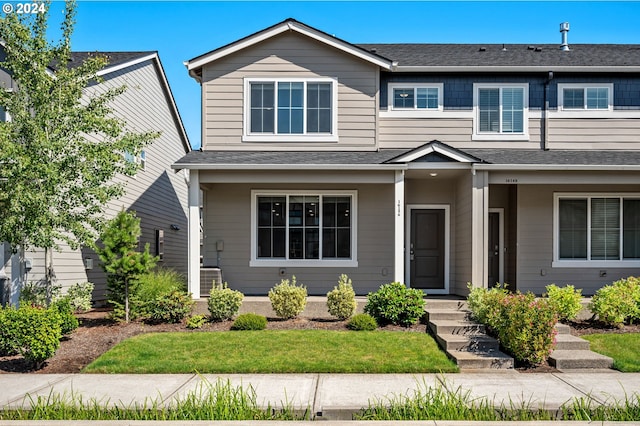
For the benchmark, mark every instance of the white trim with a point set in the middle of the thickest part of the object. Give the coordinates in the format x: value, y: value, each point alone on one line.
x: 490, y: 136
x: 132, y: 62
x: 578, y: 263
x: 316, y: 263
x: 279, y: 29
x: 451, y: 114
x: 304, y: 137
x: 193, y: 236
x: 447, y: 243
x: 430, y: 148
x: 602, y: 111
x: 399, y: 271
x: 595, y: 113
x: 414, y: 86
x: 500, y: 212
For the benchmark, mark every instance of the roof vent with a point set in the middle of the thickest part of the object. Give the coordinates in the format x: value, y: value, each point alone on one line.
x: 564, y: 29
x: 482, y: 49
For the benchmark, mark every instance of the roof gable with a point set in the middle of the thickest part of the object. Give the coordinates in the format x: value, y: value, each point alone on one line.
x: 435, y: 152
x: 289, y: 25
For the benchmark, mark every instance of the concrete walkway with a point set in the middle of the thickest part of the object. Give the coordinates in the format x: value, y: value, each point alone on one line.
x: 329, y: 396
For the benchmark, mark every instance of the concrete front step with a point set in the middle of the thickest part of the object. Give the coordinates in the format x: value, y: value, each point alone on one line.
x: 481, y: 360
x: 581, y: 359
x: 456, y: 327
x: 563, y: 328
x: 442, y: 304
x: 458, y: 342
x: 567, y: 342
x: 447, y: 315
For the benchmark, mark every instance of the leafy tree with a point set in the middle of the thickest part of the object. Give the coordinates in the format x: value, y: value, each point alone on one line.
x: 63, y: 145
x: 122, y: 262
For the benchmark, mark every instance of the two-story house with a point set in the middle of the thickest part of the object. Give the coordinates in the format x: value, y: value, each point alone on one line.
x: 435, y: 165
x: 156, y: 193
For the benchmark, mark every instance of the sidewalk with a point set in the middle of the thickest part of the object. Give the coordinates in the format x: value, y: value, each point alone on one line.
x: 329, y: 396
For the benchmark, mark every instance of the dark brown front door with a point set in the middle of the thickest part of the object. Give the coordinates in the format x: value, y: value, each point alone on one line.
x: 494, y: 249
x: 427, y: 249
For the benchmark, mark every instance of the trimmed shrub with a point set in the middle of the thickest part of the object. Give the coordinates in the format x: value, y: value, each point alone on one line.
x: 341, y: 301
x: 485, y: 304
x: 170, y: 307
x: 396, y: 304
x: 617, y: 303
x: 8, y: 331
x: 68, y: 321
x: 527, y: 330
x: 362, y: 322
x: 288, y: 299
x: 80, y: 296
x: 567, y: 301
x: 196, y: 321
x: 249, y: 321
x: 224, y: 303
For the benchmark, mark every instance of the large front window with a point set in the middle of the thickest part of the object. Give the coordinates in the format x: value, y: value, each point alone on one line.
x: 304, y: 226
x: 500, y: 110
x: 598, y: 228
x: 290, y: 108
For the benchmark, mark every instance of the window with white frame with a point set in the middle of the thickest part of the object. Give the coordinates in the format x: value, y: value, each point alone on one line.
x: 304, y: 226
x: 290, y: 108
x: 411, y: 96
x: 587, y: 97
x: 597, y: 228
x: 501, y: 109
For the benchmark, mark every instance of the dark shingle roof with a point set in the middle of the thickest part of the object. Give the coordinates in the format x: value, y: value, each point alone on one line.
x: 115, y: 58
x: 491, y: 156
x: 509, y: 55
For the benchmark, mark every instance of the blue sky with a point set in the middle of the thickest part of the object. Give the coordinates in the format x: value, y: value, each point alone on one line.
x: 181, y: 30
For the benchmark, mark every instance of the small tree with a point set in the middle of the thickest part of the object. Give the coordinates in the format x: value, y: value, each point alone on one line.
x: 121, y: 261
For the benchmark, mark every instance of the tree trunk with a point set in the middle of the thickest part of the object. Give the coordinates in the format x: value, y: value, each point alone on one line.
x: 126, y: 300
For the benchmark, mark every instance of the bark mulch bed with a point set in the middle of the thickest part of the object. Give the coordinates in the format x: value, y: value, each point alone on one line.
x: 97, y: 334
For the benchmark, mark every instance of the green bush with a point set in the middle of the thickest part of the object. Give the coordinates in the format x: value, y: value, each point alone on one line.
x: 362, y: 322
x: 396, y: 304
x: 170, y: 307
x: 288, y: 299
x: 249, y: 321
x: 224, y: 303
x: 37, y: 293
x: 341, y: 301
x: 617, y: 303
x: 196, y: 321
x: 68, y: 321
x: 527, y: 330
x: 159, y: 281
x: 485, y: 304
x: 32, y: 332
x: 567, y: 301
x: 80, y: 296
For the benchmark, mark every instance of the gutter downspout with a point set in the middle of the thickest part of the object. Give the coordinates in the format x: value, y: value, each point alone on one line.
x: 545, y: 115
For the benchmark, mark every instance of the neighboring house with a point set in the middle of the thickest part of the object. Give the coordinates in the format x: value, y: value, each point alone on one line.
x: 156, y: 193
x: 435, y: 165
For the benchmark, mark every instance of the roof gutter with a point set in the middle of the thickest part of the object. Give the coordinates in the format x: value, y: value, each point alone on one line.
x: 555, y: 167
x: 514, y: 68
x: 253, y: 167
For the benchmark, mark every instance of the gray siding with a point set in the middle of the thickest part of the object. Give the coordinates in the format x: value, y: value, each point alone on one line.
x: 289, y: 55
x: 535, y: 242
x: 603, y: 133
x: 462, y: 243
x: 227, y: 209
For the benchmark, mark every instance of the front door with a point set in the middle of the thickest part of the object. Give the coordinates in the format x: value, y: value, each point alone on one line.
x: 427, y: 249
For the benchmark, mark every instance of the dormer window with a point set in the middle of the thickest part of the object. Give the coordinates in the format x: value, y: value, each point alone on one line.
x: 290, y: 109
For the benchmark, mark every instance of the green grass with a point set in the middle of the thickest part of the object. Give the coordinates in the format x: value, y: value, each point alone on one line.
x: 275, y: 351
x: 623, y: 348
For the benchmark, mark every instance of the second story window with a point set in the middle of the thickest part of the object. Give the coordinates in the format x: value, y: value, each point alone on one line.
x: 592, y: 97
x: 295, y: 108
x: 421, y: 97
x: 501, y: 110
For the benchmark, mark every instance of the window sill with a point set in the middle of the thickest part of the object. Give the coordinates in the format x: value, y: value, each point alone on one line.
x: 595, y: 264
x: 500, y: 137
x: 290, y: 138
x: 275, y: 263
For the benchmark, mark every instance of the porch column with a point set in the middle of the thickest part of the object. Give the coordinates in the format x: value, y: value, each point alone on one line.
x: 399, y: 207
x: 479, y: 228
x: 193, y: 253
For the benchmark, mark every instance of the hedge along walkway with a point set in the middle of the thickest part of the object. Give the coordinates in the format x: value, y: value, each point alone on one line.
x: 276, y: 351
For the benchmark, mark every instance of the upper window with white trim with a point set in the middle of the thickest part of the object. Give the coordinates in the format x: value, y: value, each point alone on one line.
x: 501, y: 111
x: 419, y: 97
x: 304, y: 227
x: 290, y: 109
x: 597, y: 229
x: 587, y: 97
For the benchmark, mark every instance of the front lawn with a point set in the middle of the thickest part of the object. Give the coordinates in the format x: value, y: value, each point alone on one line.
x: 623, y: 348
x: 276, y: 351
